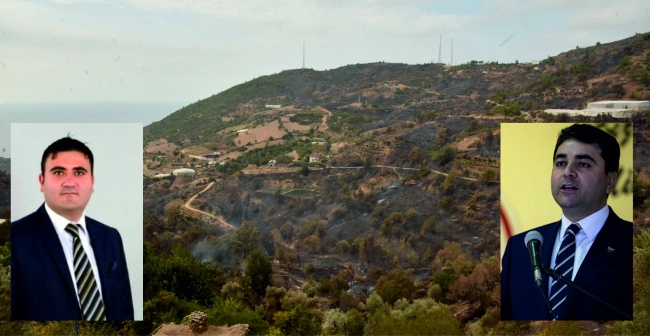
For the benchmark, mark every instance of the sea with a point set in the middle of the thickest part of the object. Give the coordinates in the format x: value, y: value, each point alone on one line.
x: 114, y: 112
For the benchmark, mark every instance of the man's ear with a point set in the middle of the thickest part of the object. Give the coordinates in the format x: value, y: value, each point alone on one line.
x: 41, y: 179
x: 611, y: 182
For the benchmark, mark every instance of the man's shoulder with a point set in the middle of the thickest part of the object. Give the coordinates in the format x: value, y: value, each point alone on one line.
x: 34, y: 218
x: 99, y: 227
x: 618, y: 220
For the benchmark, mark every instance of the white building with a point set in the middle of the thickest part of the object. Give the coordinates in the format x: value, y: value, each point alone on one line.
x: 184, y: 172
x: 621, y: 104
x: 615, y: 108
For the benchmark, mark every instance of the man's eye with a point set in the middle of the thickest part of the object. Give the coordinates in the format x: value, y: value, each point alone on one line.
x: 584, y: 165
x: 560, y: 164
x: 79, y: 173
x: 57, y: 173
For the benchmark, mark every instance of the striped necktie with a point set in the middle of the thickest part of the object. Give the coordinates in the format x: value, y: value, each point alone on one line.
x: 92, y: 307
x: 564, y: 265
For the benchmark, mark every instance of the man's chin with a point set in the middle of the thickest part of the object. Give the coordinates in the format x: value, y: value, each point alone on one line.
x: 564, y: 203
x: 68, y: 207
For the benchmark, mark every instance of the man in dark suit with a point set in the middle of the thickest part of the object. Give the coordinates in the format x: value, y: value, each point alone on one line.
x: 64, y: 265
x: 590, y: 245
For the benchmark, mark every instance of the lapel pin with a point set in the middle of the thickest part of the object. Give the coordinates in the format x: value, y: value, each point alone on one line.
x: 610, y: 249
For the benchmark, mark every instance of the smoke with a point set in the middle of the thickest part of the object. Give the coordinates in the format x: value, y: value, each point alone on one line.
x: 215, y: 249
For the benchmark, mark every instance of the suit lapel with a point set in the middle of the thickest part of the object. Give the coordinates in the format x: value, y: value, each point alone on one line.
x: 49, y: 237
x: 598, y: 259
x: 98, y: 244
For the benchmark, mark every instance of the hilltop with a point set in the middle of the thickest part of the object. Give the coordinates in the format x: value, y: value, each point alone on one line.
x: 387, y: 93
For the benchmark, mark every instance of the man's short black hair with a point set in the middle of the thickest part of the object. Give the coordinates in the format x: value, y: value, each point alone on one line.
x: 610, y: 151
x: 67, y: 144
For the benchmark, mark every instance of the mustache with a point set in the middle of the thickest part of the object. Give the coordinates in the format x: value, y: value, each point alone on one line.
x: 69, y: 190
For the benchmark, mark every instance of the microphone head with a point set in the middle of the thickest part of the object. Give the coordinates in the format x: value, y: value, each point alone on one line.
x: 533, y: 235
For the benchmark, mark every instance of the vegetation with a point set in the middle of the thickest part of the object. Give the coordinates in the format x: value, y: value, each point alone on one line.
x: 307, y: 118
x: 262, y: 156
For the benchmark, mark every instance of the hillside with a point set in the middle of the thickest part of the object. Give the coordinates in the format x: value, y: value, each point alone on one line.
x: 420, y: 117
x: 5, y: 196
x: 388, y: 93
x: 5, y: 164
x: 355, y: 179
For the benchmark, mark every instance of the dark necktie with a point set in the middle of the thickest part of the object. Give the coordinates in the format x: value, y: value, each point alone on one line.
x: 564, y: 265
x: 92, y: 307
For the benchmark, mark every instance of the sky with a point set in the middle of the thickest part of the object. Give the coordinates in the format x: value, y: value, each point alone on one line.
x: 90, y: 51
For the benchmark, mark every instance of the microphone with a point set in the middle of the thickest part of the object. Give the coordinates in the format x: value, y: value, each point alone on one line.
x: 534, y: 242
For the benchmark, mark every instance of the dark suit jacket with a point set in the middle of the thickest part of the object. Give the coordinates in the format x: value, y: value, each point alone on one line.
x: 605, y: 272
x: 41, y: 284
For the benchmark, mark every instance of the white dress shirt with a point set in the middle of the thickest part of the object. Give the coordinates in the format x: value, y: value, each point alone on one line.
x: 591, y: 226
x: 66, y: 239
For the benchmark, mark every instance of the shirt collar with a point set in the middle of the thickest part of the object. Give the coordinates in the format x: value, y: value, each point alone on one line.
x: 61, y: 222
x: 590, y: 225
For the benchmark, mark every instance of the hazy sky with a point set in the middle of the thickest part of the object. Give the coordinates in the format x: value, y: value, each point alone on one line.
x: 185, y: 50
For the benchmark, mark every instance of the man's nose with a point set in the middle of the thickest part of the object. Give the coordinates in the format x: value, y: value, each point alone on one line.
x: 68, y: 180
x: 569, y: 170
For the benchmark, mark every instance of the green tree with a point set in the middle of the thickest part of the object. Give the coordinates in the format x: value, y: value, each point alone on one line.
x: 5, y: 292
x: 448, y: 185
x: 488, y: 176
x: 334, y: 322
x: 299, y: 316
x: 626, y: 61
x: 354, y: 322
x: 80, y: 328
x: 246, y: 239
x: 259, y: 269
x: 422, y: 317
x: 428, y: 226
x: 230, y: 312
x: 166, y: 307
x: 184, y: 276
x: 304, y: 171
x: 445, y: 155
x: 395, y: 285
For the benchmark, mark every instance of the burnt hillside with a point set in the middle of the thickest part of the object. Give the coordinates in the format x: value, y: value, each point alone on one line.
x: 396, y: 92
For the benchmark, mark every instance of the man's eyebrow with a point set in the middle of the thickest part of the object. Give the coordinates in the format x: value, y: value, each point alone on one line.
x: 578, y: 156
x: 80, y: 168
x: 585, y: 157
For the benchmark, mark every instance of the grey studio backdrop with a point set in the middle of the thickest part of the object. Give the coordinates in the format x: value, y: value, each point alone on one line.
x: 117, y: 199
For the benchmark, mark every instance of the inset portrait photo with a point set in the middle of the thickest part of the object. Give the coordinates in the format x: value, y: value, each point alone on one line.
x: 76, y: 226
x: 566, y: 212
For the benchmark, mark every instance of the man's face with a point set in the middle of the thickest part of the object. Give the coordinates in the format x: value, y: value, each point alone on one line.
x: 578, y: 182
x: 67, y: 183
